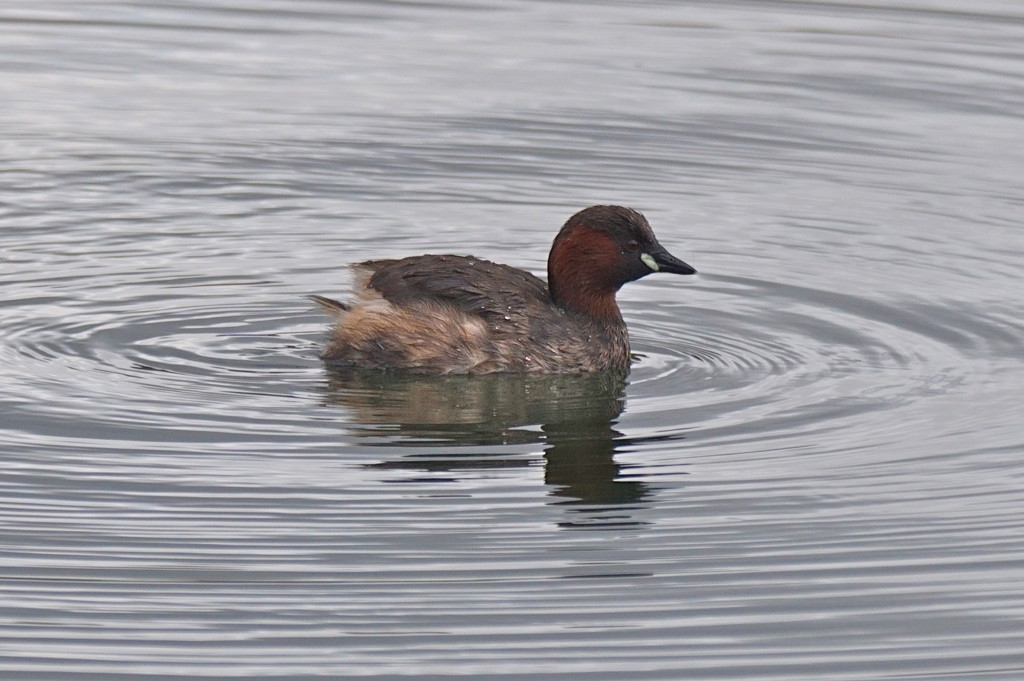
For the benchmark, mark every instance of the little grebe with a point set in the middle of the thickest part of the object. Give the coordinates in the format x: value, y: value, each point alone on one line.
x: 452, y: 314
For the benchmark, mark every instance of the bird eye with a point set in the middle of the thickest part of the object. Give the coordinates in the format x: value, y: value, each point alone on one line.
x: 632, y: 245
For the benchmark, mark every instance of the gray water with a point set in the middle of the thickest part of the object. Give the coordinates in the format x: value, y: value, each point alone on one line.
x: 814, y: 471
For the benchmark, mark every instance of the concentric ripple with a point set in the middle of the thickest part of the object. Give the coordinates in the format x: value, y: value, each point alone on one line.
x: 802, y: 357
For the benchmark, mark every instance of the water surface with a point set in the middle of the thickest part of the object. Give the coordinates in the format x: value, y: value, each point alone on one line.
x: 814, y: 469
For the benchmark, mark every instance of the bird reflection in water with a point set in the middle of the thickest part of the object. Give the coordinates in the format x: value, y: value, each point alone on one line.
x: 572, y: 415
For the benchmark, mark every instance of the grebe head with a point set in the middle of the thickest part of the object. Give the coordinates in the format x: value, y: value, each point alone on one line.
x: 597, y: 251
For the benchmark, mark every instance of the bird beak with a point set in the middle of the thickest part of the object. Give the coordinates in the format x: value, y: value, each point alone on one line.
x: 663, y: 261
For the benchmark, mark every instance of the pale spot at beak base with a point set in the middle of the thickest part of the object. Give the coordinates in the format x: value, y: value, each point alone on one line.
x: 648, y: 259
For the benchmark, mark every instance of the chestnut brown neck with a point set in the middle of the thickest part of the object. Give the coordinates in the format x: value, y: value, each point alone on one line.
x: 581, y: 273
